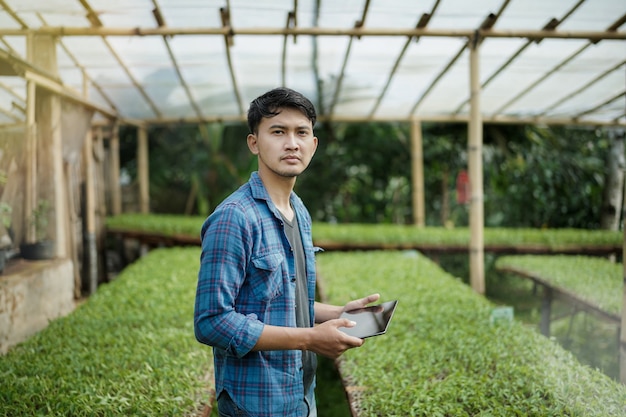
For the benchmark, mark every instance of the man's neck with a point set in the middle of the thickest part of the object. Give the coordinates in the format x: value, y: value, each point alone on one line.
x: 279, y: 190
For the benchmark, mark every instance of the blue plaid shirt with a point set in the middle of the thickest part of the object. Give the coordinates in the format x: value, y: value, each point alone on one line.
x: 246, y: 280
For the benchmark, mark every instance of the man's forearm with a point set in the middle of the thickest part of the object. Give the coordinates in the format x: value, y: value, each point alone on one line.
x: 283, y: 338
x: 325, y: 312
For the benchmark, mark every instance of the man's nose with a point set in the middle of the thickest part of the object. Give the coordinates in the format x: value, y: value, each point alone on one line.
x: 291, y: 141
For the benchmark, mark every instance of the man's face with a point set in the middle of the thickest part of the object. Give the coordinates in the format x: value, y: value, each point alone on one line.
x: 284, y: 144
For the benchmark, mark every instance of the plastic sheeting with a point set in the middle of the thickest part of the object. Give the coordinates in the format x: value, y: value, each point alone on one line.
x: 189, y: 76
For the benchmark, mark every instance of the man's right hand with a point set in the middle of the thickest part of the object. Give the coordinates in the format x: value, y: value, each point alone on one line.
x: 329, y: 341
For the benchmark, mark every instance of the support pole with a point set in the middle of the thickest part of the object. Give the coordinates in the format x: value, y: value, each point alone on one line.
x: 622, y: 338
x: 417, y: 173
x: 114, y: 172
x: 475, y: 168
x: 90, y: 269
x: 30, y: 194
x: 49, y: 147
x: 142, y: 170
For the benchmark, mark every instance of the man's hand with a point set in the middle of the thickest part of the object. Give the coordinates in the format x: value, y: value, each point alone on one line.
x: 329, y: 341
x: 361, y: 302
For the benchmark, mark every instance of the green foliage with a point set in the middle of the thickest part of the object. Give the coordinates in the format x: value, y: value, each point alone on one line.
x: 547, y: 177
x: 6, y: 213
x: 39, y: 218
x: 128, y: 350
x: 442, y: 357
x: 164, y: 224
x: 391, y: 234
x: 206, y: 161
x: 596, y: 280
x: 359, y: 174
x: 533, y: 176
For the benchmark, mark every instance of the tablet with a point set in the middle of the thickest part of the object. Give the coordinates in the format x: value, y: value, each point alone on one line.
x: 370, y: 321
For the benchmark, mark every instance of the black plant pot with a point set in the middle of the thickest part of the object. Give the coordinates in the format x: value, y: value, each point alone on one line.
x: 38, y: 250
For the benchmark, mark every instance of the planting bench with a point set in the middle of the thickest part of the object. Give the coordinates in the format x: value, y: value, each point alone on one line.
x: 443, y: 355
x: 128, y: 350
x: 590, y: 284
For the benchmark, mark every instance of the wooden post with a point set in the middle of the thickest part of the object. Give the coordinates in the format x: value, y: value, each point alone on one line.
x: 90, y: 269
x: 90, y: 256
x: 30, y: 194
x: 417, y: 173
x: 622, y: 338
x: 475, y: 168
x: 142, y: 170
x: 114, y: 171
x: 49, y: 148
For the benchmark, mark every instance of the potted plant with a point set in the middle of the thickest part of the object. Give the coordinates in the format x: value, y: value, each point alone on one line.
x: 43, y: 247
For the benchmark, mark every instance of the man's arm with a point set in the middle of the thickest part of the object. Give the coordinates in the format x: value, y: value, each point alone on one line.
x: 325, y: 339
x: 325, y: 312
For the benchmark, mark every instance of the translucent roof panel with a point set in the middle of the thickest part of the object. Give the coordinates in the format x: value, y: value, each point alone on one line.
x: 163, y: 61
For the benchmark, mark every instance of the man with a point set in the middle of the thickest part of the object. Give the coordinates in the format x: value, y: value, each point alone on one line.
x: 255, y: 300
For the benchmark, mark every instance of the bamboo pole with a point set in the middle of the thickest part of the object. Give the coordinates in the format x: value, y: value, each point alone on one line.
x: 417, y: 173
x: 317, y: 31
x: 30, y: 194
x: 475, y: 168
x: 622, y: 337
x: 114, y: 171
x: 90, y: 269
x: 142, y: 170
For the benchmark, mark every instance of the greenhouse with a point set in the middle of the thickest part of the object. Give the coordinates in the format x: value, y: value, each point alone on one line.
x: 80, y: 79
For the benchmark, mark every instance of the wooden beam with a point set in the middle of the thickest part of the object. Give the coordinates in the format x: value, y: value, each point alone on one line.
x: 321, y: 31
x: 496, y: 120
x: 63, y: 91
x: 228, y: 42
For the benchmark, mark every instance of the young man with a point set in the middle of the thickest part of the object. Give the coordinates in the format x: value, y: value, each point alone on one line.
x: 255, y: 300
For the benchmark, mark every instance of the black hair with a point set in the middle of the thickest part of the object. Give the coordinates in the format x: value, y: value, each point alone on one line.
x: 270, y: 104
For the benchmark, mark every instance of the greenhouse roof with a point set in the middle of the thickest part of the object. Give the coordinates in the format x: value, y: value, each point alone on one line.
x: 170, y: 61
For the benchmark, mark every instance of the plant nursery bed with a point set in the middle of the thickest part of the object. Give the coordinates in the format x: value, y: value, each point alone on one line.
x: 127, y: 350
x: 176, y: 230
x: 451, y: 352
x: 587, y: 283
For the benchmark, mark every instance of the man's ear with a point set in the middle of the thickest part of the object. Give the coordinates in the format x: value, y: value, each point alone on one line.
x: 252, y: 144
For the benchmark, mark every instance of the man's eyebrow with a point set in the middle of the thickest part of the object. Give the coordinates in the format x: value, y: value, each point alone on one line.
x: 281, y: 126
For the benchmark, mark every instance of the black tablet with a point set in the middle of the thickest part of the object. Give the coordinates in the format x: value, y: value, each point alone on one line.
x: 370, y: 321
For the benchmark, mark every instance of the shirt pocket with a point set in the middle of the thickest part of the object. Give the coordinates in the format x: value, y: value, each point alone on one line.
x: 266, y: 276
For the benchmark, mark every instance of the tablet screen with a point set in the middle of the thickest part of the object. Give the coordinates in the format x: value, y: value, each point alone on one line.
x: 370, y: 321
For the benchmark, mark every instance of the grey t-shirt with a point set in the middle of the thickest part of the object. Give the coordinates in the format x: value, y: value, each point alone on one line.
x: 303, y: 319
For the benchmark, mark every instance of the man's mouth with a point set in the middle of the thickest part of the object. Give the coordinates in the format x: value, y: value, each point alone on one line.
x: 291, y: 158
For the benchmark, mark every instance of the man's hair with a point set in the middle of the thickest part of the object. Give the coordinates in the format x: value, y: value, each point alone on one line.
x: 271, y: 103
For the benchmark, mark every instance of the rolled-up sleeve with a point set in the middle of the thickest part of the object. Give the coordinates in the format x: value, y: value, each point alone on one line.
x: 226, y: 246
